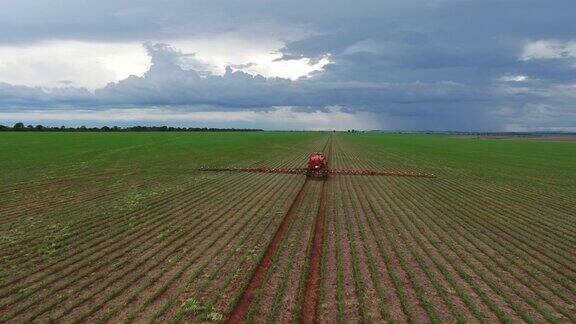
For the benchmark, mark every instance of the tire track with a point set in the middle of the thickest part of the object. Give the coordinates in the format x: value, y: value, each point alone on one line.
x: 308, y: 312
x: 243, y: 305
x: 309, y: 308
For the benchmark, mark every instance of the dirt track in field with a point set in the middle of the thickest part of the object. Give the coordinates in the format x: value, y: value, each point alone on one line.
x: 309, y: 305
x: 308, y: 313
x: 254, y: 247
x: 243, y: 305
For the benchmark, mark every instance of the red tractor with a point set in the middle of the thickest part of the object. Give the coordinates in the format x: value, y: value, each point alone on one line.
x: 317, y: 167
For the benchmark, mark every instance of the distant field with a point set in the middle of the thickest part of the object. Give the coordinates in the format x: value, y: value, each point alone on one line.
x: 528, y: 137
x: 123, y: 227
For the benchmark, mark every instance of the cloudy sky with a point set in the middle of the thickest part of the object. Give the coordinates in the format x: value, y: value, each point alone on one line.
x: 491, y: 65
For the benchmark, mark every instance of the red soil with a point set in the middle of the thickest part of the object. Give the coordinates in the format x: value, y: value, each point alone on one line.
x: 243, y: 305
x: 309, y: 308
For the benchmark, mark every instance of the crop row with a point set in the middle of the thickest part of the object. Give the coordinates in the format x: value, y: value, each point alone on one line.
x: 547, y: 206
x: 41, y: 231
x: 77, y: 279
x: 106, y: 223
x: 280, y: 290
x: 516, y: 225
x: 111, y: 259
x: 434, y: 228
x: 278, y: 296
x: 36, y: 226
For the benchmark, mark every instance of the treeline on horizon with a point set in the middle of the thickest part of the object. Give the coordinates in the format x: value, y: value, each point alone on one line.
x: 40, y: 128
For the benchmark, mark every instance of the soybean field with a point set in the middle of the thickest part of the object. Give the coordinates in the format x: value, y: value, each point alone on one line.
x: 124, y: 227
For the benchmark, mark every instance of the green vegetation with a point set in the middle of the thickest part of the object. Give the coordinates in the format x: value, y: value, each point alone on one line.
x: 51, y: 181
x: 122, y: 227
x: 527, y: 162
x: 40, y: 156
x: 191, y: 306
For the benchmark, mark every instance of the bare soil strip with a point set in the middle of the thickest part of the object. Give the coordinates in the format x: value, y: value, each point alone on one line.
x: 309, y: 308
x: 243, y: 305
x: 311, y: 295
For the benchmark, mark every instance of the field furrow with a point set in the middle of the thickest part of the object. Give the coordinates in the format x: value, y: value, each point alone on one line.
x: 132, y: 231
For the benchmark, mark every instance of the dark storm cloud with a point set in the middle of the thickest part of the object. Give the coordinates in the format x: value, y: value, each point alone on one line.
x: 167, y: 83
x: 13, y: 96
x: 420, y: 64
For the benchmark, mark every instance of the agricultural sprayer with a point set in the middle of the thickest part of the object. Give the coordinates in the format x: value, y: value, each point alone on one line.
x: 318, y: 169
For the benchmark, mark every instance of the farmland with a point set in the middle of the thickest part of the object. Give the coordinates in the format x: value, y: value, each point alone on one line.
x: 123, y: 227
